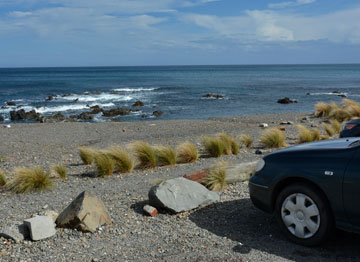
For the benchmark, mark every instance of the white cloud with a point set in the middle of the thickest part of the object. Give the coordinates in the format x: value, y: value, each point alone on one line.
x: 270, y: 26
x: 290, y: 3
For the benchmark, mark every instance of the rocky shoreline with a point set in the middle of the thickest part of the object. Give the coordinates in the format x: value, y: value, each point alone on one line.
x: 231, y: 230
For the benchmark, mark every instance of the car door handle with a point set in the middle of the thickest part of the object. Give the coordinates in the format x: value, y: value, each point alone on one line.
x: 329, y: 173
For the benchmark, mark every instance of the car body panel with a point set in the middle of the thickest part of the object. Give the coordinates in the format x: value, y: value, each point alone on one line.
x: 353, y: 132
x: 323, y: 164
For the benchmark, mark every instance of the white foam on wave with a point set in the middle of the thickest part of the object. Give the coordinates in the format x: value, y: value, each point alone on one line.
x: 329, y: 94
x: 64, y: 108
x: 135, y: 89
x: 95, y: 98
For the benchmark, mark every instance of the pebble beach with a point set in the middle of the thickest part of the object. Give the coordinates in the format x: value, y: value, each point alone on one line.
x: 231, y: 230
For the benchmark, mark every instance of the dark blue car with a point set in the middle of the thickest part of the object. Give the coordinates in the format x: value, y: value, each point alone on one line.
x: 311, y: 188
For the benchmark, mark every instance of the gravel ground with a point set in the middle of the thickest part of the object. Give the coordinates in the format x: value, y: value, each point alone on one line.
x: 232, y: 230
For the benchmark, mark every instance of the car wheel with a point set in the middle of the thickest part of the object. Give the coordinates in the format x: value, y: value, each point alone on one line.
x: 304, y: 214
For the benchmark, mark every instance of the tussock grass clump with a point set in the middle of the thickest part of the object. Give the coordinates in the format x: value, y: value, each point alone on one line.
x: 60, y: 170
x: 216, y: 179
x: 2, y: 179
x: 322, y: 109
x: 214, y: 146
x: 29, y: 180
x: 187, y: 153
x: 349, y: 102
x: 105, y: 165
x: 227, y: 141
x: 273, y: 138
x: 87, y: 154
x: 336, y: 125
x: 145, y: 153
x: 307, y: 135
x: 328, y: 129
x: 340, y: 115
x: 246, y: 140
x: 123, y: 161
x: 235, y: 148
x: 166, y: 156
x: 324, y: 137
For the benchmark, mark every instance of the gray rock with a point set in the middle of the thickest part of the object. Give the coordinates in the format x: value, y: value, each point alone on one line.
x: 240, y: 172
x: 16, y: 231
x: 86, y: 213
x: 40, y: 227
x: 181, y: 194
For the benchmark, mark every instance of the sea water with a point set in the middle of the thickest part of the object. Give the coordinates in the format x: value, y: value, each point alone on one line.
x: 176, y: 90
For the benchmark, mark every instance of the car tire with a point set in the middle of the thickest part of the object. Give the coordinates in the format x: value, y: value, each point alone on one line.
x: 303, y: 214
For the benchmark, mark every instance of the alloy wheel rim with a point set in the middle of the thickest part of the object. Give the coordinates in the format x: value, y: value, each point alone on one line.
x: 300, y: 215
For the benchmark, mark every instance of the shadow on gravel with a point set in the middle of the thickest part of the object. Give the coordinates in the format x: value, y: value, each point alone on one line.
x: 254, y: 230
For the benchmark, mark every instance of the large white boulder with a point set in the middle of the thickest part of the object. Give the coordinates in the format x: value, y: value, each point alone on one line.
x: 40, y: 227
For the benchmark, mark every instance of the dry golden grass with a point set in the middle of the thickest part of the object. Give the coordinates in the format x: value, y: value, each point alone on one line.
x: 87, y: 155
x: 324, y: 137
x: 353, y: 110
x: 273, y: 138
x: 60, y: 170
x: 328, y: 129
x: 336, y: 125
x: 214, y: 146
x: 29, y: 180
x: 166, y: 156
x: 307, y: 135
x: 187, y: 153
x: 246, y: 140
x: 340, y: 115
x: 235, y: 148
x: 349, y: 102
x: 104, y: 163
x: 123, y: 160
x: 216, y: 179
x: 227, y: 140
x: 145, y: 153
x: 322, y: 109
x: 2, y: 179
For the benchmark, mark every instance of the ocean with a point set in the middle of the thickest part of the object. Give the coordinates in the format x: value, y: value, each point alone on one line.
x: 177, y: 91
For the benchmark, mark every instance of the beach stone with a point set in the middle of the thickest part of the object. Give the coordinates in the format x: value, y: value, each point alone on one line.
x: 40, y: 227
x: 263, y: 125
x: 86, y: 213
x: 138, y: 103
x: 22, y: 115
x: 211, y: 95
x: 11, y: 103
x: 15, y: 231
x: 151, y: 211
x: 240, y: 172
x: 157, y: 113
x: 285, y: 100
x: 198, y: 175
x: 116, y: 112
x: 181, y: 194
x: 51, y: 213
x: 259, y: 152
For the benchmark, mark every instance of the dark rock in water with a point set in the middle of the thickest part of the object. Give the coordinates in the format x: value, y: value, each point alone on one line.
x: 138, y: 103
x: 76, y: 100
x: 58, y: 117
x: 308, y: 94
x: 157, y: 113
x: 285, y: 100
x: 49, y: 98
x: 342, y: 95
x: 144, y: 116
x: 83, y: 116
x: 19, y: 106
x: 116, y: 93
x: 11, y: 103
x: 65, y: 95
x: 1, y: 118
x: 4, y: 107
x: 116, y: 112
x: 216, y: 96
x: 22, y: 115
x: 95, y: 110
x: 335, y: 92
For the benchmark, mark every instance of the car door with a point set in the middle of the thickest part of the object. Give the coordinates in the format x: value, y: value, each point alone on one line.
x: 351, y: 190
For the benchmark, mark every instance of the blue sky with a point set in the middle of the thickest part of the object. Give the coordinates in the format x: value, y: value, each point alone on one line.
x: 177, y: 32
